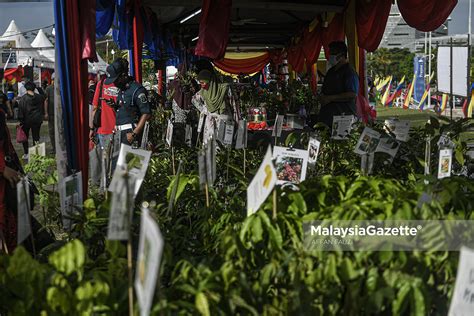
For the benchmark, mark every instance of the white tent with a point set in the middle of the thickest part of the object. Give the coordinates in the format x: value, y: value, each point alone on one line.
x: 10, y: 34
x: 41, y: 41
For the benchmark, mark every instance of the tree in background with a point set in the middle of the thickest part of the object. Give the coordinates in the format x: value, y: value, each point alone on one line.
x: 397, y: 62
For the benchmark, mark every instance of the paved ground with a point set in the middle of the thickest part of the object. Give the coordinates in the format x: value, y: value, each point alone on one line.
x: 44, y: 137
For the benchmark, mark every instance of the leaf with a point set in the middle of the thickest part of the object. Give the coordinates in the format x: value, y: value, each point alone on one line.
x: 418, y: 303
x: 459, y: 157
x: 275, y: 233
x: 69, y: 258
x: 202, y: 304
x: 256, y: 229
x: 401, y: 300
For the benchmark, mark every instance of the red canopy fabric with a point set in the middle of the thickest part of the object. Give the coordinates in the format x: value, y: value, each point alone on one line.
x: 426, y: 15
x: 243, y: 66
x: 138, y: 37
x: 214, y: 28
x: 371, y: 20
x: 75, y: 30
x: 13, y: 74
x: 87, y: 16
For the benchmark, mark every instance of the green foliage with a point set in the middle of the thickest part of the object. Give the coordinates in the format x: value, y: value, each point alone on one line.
x: 395, y: 62
x: 217, y: 261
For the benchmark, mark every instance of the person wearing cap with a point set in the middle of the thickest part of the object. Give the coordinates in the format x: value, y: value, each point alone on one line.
x: 340, y: 86
x: 132, y: 106
x: 216, y: 101
x: 31, y: 114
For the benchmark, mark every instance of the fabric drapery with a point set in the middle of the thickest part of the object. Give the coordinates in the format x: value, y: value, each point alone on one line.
x: 87, y: 23
x: 243, y: 66
x: 371, y: 19
x: 104, y: 15
x: 214, y: 28
x: 138, y: 35
x: 73, y: 78
x: 426, y: 15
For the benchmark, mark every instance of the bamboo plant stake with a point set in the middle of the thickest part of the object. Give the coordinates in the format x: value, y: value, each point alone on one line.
x: 129, y: 249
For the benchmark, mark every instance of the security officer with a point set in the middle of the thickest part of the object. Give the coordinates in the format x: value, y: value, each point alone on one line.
x: 132, y: 108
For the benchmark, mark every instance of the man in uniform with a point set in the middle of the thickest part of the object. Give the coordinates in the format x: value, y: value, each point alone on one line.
x: 132, y: 107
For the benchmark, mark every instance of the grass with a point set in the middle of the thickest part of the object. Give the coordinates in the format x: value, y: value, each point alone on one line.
x: 417, y: 118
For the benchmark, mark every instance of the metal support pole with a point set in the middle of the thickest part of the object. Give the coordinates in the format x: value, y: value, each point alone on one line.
x: 451, y: 76
x: 429, y: 71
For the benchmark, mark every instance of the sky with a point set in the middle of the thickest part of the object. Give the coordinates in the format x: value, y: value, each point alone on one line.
x: 36, y: 14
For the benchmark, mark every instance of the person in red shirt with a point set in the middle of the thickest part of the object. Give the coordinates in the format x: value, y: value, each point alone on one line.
x: 104, y: 93
x: 107, y: 122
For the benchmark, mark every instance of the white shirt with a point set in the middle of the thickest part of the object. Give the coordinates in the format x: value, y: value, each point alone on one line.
x: 21, y: 89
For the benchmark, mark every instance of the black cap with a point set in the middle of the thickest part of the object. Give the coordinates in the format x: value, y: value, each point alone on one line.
x: 114, y: 70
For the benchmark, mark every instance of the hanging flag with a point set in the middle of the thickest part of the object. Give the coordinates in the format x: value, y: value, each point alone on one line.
x: 444, y: 102
x: 423, y: 98
x: 406, y: 105
x: 383, y: 83
x: 397, y: 92
x: 470, y: 108
x: 464, y: 106
x: 386, y: 93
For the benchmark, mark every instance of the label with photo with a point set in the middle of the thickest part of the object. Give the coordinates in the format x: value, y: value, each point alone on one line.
x: 445, y: 163
x: 136, y: 161
x: 341, y: 126
x: 313, y: 150
x: 290, y: 164
x: 388, y: 145
x: 150, y: 250
x: 368, y: 141
x: 121, y: 207
x: 70, y: 193
x: 401, y: 129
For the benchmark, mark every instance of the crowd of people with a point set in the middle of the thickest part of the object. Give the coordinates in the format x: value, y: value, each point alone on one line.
x: 120, y: 108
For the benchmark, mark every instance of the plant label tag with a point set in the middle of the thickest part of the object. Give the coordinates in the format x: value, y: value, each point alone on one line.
x: 37, y: 150
x: 401, y: 129
x: 241, y: 141
x: 290, y: 164
x: 146, y: 131
x: 445, y: 163
x: 202, y: 116
x: 136, y: 162
x: 202, y: 168
x: 221, y: 130
x: 121, y: 207
x: 427, y: 156
x: 313, y: 150
x: 188, y: 136
x: 150, y: 250
x: 211, y: 162
x: 228, y: 133
x: 262, y: 184
x: 462, y: 303
x: 368, y: 141
x: 70, y: 194
x: 169, y: 133
x: 278, y: 126
x: 116, y: 145
x: 341, y: 126
x: 388, y: 145
x: 23, y: 202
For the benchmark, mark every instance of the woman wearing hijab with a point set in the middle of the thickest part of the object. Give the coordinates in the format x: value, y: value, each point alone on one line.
x: 216, y: 101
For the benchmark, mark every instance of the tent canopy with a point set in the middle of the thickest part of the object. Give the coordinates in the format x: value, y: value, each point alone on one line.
x: 11, y: 32
x: 42, y: 41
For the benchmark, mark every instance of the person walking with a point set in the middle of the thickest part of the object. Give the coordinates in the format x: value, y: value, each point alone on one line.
x: 31, y: 115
